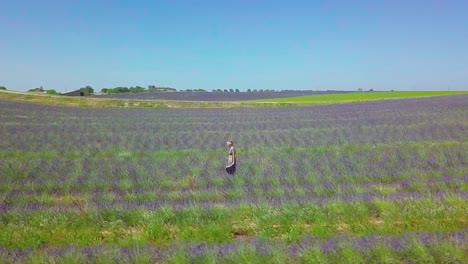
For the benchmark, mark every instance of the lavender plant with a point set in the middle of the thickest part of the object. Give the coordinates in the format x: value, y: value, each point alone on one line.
x: 358, y: 182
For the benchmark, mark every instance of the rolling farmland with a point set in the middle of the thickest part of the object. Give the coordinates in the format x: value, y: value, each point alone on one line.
x: 360, y: 182
x: 214, y: 99
x: 359, y: 96
x: 215, y: 96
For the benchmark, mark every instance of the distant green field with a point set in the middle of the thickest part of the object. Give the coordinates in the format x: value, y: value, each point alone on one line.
x: 358, y: 96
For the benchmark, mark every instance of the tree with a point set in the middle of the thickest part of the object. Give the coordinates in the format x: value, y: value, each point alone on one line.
x: 231, y: 90
x: 51, y: 91
x: 261, y: 90
x: 137, y: 89
x: 254, y: 90
x: 359, y: 89
x: 40, y: 89
x: 219, y: 90
x: 371, y: 90
x: 3, y: 88
x: 226, y: 90
x: 121, y: 90
x: 249, y: 90
x: 237, y: 91
x: 104, y: 90
x: 88, y: 88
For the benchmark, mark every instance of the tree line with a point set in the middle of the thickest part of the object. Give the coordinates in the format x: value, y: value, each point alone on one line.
x: 138, y: 89
x: 40, y: 89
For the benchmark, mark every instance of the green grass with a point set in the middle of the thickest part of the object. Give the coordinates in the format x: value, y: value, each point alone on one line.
x: 292, y: 223
x: 358, y: 96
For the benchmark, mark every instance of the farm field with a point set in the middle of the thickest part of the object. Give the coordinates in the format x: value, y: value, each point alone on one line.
x: 215, y: 96
x: 213, y: 100
x: 366, y: 182
x: 359, y: 96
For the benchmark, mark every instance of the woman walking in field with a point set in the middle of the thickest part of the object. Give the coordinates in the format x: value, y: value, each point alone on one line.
x: 231, y: 167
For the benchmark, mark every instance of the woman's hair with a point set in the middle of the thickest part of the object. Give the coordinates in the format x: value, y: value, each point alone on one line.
x: 230, y: 142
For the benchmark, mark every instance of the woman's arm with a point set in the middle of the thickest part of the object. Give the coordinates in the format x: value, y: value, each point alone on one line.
x: 234, y: 157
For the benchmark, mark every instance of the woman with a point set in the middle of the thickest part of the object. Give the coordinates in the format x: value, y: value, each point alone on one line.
x: 231, y: 167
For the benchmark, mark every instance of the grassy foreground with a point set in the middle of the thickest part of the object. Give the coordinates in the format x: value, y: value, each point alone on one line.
x: 164, y: 226
x: 309, y: 100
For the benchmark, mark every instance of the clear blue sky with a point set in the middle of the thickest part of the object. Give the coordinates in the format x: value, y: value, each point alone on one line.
x: 345, y: 45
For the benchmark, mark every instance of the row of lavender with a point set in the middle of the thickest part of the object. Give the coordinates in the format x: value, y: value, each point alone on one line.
x: 349, y: 168
x: 409, y: 247
x: 215, y: 96
x: 298, y: 176
x: 48, y: 128
x: 106, y: 155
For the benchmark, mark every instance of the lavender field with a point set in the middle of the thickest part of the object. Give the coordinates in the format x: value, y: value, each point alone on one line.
x: 372, y: 182
x: 215, y: 96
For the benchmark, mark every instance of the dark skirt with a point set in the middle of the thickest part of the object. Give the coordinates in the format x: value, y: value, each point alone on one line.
x: 231, y: 169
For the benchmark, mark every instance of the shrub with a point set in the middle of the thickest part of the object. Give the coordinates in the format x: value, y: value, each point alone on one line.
x: 51, y: 92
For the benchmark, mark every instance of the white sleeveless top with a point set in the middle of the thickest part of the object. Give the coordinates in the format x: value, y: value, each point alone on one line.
x: 232, y: 151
